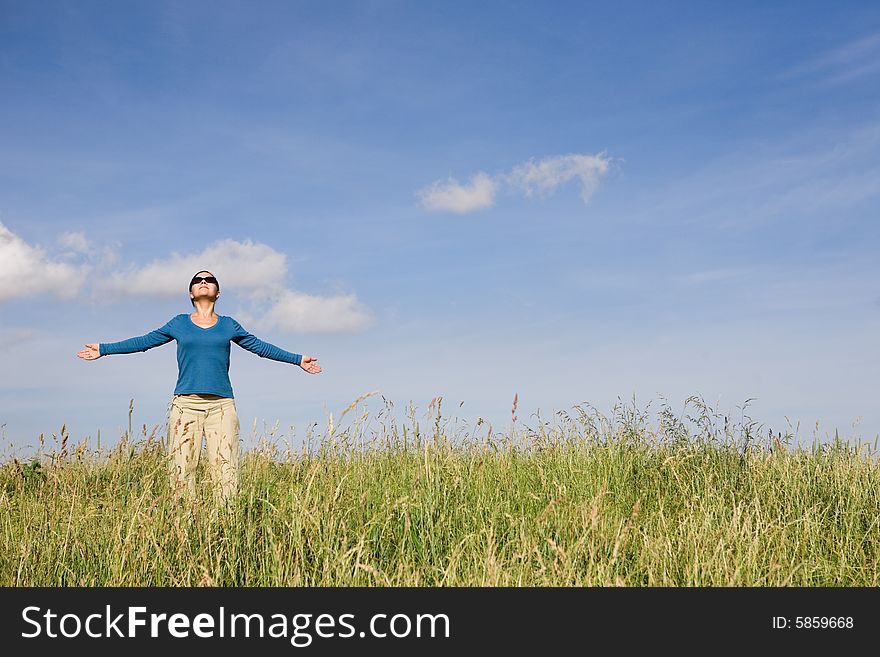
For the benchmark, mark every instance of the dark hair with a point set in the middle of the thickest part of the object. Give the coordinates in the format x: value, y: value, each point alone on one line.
x: 191, y: 300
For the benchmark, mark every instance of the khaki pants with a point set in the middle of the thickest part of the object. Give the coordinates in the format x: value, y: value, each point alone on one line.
x: 215, y: 418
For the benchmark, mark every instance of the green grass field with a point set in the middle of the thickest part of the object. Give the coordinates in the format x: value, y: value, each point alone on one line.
x: 584, y: 501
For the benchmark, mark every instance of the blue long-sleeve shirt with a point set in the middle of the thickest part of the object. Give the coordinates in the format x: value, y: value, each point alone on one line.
x: 202, y: 353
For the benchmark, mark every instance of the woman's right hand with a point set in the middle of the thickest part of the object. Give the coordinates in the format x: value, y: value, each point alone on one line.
x: 91, y: 352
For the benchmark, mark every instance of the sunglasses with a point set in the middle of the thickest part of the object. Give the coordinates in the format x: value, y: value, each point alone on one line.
x: 199, y: 279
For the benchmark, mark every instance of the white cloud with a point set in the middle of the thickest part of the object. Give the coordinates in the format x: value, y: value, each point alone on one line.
x: 76, y: 242
x: 809, y: 178
x: 27, y: 270
x: 532, y: 177
x: 857, y: 50
x: 451, y: 196
x: 243, y: 265
x: 109, y: 255
x: 78, y: 247
x: 548, y: 174
x: 300, y: 312
x: 711, y: 276
x: 855, y: 59
x: 252, y: 270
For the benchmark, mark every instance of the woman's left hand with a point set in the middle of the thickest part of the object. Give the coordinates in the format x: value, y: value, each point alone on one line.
x: 310, y: 364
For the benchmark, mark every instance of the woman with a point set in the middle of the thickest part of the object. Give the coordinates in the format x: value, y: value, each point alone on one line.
x: 202, y: 401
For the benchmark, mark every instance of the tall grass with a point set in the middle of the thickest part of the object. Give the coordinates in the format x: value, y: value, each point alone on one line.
x: 584, y: 501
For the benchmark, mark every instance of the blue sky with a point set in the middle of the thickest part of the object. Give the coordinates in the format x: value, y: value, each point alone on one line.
x: 568, y: 202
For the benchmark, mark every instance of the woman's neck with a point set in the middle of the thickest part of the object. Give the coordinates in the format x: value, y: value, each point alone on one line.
x: 204, y: 310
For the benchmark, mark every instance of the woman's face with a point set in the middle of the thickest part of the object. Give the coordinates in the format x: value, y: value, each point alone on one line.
x: 200, y: 288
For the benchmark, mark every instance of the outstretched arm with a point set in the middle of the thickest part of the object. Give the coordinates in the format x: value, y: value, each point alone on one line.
x: 152, y: 339
x: 263, y: 349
